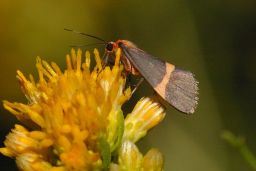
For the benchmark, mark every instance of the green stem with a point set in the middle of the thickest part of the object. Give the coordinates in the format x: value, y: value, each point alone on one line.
x: 239, y: 143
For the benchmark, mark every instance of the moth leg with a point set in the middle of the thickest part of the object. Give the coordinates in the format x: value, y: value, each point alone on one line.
x: 137, y: 85
x: 128, y: 78
x: 105, y: 60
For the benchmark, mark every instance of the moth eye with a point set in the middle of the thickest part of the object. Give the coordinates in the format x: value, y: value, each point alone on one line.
x: 109, y: 46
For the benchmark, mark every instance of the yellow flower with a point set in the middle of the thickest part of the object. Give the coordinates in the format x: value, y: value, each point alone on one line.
x: 75, y: 119
x: 145, y: 115
x: 153, y: 160
x: 129, y: 157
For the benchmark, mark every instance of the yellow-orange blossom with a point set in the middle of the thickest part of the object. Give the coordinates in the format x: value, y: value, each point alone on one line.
x: 73, y: 119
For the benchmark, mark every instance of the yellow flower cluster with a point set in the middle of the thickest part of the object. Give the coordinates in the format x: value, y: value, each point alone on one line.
x: 73, y: 120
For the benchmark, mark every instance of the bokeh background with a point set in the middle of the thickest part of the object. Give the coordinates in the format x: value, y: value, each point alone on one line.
x: 214, y: 39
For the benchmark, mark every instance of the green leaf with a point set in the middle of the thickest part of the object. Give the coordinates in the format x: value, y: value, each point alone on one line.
x: 120, y: 130
x: 105, y: 152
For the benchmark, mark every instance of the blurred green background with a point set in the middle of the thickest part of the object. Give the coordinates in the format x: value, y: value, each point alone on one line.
x: 214, y: 39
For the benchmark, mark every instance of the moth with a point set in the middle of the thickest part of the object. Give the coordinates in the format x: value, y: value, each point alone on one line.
x: 176, y: 86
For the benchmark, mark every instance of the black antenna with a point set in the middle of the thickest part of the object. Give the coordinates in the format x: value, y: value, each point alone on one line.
x: 92, y: 44
x: 84, y: 34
